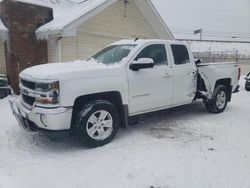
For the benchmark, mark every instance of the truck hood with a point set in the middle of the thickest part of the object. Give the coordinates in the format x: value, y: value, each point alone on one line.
x: 71, y: 70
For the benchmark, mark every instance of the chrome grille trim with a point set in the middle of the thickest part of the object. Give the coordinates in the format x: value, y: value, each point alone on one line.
x: 28, y: 84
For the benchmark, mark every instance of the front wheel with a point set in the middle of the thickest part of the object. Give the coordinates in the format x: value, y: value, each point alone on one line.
x: 96, y: 123
x: 218, y: 103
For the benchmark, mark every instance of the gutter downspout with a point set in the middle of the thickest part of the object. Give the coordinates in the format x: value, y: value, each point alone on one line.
x: 59, y: 49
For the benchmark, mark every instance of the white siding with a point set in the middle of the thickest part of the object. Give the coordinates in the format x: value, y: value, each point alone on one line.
x: 155, y: 20
x: 2, y: 59
x: 69, y: 49
x: 110, y: 25
x: 52, y: 51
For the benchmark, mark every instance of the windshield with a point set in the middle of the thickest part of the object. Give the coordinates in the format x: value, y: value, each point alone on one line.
x: 112, y: 54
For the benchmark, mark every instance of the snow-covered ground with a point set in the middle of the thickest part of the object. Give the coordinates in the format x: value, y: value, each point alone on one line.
x: 185, y: 147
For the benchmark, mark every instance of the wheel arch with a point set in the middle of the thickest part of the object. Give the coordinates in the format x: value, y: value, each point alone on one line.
x: 112, y: 96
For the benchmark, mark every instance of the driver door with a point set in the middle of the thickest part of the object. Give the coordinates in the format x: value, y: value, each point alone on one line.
x: 151, y: 89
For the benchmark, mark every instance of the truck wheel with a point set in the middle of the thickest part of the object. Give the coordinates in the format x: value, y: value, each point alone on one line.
x: 247, y: 87
x: 97, y: 123
x: 218, y: 103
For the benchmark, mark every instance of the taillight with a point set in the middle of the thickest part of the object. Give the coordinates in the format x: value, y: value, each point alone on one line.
x: 239, y: 73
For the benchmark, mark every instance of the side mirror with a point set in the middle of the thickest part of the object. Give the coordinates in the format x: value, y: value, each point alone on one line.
x: 142, y: 63
x: 198, y: 61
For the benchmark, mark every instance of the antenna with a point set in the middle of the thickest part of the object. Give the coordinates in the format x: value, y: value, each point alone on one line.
x: 136, y: 39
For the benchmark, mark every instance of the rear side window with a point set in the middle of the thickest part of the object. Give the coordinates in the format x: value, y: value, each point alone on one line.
x: 180, y: 54
x: 157, y: 52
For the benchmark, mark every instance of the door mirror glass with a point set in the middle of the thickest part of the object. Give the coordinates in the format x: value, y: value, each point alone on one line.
x: 142, y: 63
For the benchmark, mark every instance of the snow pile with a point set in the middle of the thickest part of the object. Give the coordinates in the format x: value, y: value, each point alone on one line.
x: 185, y: 147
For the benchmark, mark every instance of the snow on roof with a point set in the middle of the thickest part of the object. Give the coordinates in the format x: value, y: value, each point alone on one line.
x: 145, y: 41
x: 53, y: 3
x: 68, y: 14
x: 65, y: 13
x: 3, y: 31
x: 36, y: 2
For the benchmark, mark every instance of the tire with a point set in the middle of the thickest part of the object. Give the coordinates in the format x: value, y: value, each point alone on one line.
x: 3, y: 93
x: 219, y: 100
x: 247, y: 87
x: 96, y: 123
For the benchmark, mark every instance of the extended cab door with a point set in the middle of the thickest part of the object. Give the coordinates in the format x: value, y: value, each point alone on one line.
x: 185, y: 75
x: 152, y: 88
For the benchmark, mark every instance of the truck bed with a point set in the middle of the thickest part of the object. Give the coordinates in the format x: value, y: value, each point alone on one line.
x: 212, y: 72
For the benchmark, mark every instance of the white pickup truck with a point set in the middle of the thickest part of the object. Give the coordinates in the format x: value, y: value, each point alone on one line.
x: 89, y: 100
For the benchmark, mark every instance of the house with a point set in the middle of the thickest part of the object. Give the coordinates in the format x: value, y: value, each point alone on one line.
x: 71, y: 29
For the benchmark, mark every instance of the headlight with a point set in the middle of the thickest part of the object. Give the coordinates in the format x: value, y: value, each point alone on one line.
x: 42, y: 87
x: 47, y: 93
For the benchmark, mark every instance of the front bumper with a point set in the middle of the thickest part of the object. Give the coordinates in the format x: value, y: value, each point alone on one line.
x: 54, y: 123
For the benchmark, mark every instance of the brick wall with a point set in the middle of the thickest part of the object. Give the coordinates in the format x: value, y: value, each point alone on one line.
x: 23, y: 49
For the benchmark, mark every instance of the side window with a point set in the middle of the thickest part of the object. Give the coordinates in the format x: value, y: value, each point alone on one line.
x: 180, y: 54
x: 157, y: 52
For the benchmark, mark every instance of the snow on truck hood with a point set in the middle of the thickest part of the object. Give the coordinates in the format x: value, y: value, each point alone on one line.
x: 64, y: 71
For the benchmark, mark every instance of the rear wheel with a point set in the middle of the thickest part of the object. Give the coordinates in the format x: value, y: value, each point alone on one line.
x: 218, y: 103
x: 247, y: 86
x: 96, y: 123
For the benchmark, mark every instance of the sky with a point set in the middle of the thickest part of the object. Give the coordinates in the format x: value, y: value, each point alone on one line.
x: 219, y: 19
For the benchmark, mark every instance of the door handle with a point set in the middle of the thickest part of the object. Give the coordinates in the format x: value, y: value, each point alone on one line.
x: 167, y: 75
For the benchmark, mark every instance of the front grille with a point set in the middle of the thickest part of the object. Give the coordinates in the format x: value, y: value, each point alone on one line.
x: 28, y: 99
x: 28, y: 84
